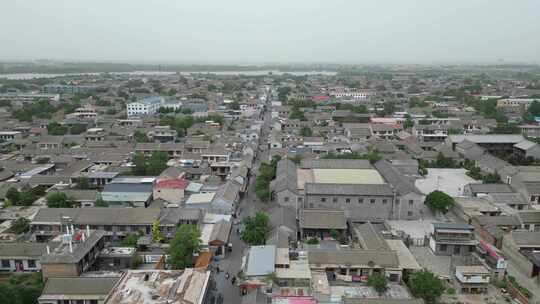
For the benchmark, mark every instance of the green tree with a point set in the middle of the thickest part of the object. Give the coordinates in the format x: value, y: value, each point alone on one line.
x: 27, y: 198
x: 312, y: 241
x: 534, y: 108
x: 83, y: 183
x: 157, y: 235
x: 55, y: 128
x: 185, y: 243
x: 130, y: 240
x: 255, y: 229
x: 140, y: 137
x: 439, y: 201
x: 21, y: 225
x: 424, y: 284
x: 77, y: 129
x: 100, y: 203
x: 378, y: 282
x: 21, y: 288
x: 139, y: 162
x: 157, y: 163
x: 409, y: 123
x: 59, y: 200
x: 13, y: 195
x: 306, y: 132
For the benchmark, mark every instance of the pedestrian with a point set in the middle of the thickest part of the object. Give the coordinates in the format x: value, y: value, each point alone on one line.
x: 227, y: 276
x: 217, y: 269
x: 233, y: 280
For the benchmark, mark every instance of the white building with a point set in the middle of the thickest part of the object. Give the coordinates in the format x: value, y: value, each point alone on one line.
x: 473, y: 279
x: 351, y: 94
x: 145, y: 107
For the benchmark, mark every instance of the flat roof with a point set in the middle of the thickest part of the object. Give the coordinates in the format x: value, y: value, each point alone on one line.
x: 347, y: 176
x: 161, y: 286
x: 261, y: 260
x: 200, y: 198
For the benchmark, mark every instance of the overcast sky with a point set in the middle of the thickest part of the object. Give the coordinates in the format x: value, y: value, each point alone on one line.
x: 254, y: 31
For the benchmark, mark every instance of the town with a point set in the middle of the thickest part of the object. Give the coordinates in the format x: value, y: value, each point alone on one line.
x: 362, y: 184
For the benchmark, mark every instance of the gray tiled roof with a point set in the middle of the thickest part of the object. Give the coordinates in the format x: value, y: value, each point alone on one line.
x: 285, y: 176
x: 387, y: 259
x: 34, y: 250
x: 395, y: 178
x: 348, y: 189
x: 491, y: 188
x: 369, y: 238
x: 99, y: 216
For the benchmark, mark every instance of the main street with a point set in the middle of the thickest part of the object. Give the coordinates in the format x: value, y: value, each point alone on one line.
x: 247, y: 206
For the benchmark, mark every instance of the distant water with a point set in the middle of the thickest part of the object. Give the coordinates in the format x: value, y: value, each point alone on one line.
x: 26, y: 76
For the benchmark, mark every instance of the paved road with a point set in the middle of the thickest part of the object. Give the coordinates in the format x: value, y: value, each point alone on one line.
x: 248, y: 205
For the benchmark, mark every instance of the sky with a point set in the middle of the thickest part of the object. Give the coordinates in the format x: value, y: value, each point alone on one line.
x: 276, y: 31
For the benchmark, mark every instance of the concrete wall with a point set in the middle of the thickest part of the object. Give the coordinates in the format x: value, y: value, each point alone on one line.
x: 356, y: 207
x: 60, y: 270
x: 287, y: 198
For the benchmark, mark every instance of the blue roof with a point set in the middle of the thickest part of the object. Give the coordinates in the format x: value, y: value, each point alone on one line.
x: 261, y: 260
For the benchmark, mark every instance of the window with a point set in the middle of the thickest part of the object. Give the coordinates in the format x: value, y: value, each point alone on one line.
x: 384, y: 201
x: 32, y: 263
x: 334, y: 200
x: 409, y: 213
x: 286, y: 198
x: 360, y: 200
x: 372, y: 201
x: 411, y: 202
x: 347, y: 200
x: 5, y: 264
x: 323, y: 199
x: 442, y: 247
x: 457, y: 249
x: 310, y: 205
x: 397, y: 202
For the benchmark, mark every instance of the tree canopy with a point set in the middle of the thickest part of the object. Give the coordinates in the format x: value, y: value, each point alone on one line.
x: 378, y: 282
x: 182, y: 247
x: 256, y: 228
x: 59, y: 200
x: 152, y: 165
x: 21, y: 288
x: 424, y: 284
x: 439, y: 201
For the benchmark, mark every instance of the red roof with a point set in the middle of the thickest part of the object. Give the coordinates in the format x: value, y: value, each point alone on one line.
x: 320, y: 98
x: 172, y: 183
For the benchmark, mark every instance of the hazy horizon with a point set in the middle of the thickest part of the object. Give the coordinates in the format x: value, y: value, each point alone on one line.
x: 249, y: 32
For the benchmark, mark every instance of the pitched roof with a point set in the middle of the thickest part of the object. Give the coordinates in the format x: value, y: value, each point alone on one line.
x: 285, y: 176
x: 98, y: 216
x: 490, y: 188
x: 23, y: 249
x: 387, y: 259
x: 369, y: 238
x: 395, y: 178
x: 322, y: 219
